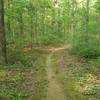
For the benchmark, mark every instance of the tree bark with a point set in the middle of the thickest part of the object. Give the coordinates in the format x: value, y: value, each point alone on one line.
x: 74, y: 5
x: 3, y: 59
x: 87, y: 15
x: 74, y: 24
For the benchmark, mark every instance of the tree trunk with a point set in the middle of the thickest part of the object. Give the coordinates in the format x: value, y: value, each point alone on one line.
x: 87, y: 15
x: 2, y: 35
x: 31, y: 11
x: 73, y: 29
x: 74, y: 5
x: 8, y: 18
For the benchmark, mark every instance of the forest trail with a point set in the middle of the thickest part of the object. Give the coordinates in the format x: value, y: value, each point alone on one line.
x: 55, y: 91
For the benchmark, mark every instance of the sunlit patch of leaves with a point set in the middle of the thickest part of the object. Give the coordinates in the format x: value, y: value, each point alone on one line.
x: 88, y: 85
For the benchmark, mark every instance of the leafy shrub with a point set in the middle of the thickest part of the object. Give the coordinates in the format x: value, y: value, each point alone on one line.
x: 86, y: 46
x: 51, y: 39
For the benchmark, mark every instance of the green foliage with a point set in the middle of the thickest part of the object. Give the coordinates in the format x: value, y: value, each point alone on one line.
x: 39, y: 21
x: 47, y: 22
x: 86, y: 46
x: 27, y: 67
x: 9, y: 91
x: 85, y: 41
x: 15, y: 96
x: 97, y: 6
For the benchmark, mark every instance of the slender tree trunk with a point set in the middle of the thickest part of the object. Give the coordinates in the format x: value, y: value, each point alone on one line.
x: 21, y: 23
x: 74, y: 16
x: 73, y: 28
x: 87, y: 23
x: 2, y: 35
x: 9, y: 19
x: 31, y: 14
x: 87, y: 15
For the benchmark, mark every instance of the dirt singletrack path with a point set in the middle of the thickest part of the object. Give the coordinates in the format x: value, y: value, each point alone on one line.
x: 55, y: 91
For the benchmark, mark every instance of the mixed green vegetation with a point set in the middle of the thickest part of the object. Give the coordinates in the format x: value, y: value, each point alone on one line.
x: 30, y: 29
x: 78, y: 76
x: 24, y: 78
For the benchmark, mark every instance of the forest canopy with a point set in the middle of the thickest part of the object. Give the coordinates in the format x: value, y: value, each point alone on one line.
x: 55, y: 21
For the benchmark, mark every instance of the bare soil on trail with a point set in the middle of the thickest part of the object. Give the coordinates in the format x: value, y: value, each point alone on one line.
x: 55, y: 90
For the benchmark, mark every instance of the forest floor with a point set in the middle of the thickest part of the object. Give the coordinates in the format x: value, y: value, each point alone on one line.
x: 79, y: 77
x: 48, y: 73
x: 25, y: 77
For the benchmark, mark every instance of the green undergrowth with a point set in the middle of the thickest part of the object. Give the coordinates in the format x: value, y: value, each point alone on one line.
x: 39, y: 40
x: 24, y: 78
x: 79, y: 77
x: 86, y: 45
